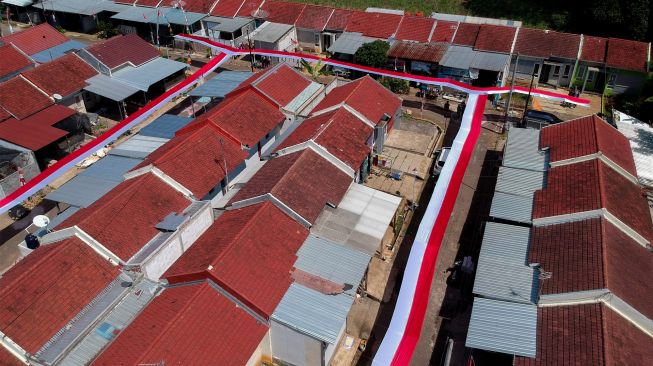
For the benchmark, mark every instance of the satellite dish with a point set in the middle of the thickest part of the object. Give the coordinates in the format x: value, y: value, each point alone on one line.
x: 41, y: 221
x: 57, y: 97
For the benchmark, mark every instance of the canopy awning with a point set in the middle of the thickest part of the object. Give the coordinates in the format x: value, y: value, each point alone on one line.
x: 148, y: 74
x: 18, y: 2
x: 221, y: 84
x: 161, y: 16
x: 109, y: 88
x: 349, y: 43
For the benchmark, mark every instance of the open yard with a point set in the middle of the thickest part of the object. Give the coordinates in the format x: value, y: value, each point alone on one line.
x: 427, y: 7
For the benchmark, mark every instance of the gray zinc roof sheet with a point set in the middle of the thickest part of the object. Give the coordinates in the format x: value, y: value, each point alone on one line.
x: 109, y: 88
x: 502, y: 272
x: 221, y: 84
x: 522, y: 150
x: 519, y: 181
x: 333, y: 262
x: 458, y: 57
x: 58, y: 51
x: 150, y: 73
x: 165, y: 126
x: 138, y: 146
x: 313, y: 313
x: 505, y: 327
x: 223, y: 24
x: 512, y: 207
x: 349, y: 42
x: 111, y: 168
x: 270, y: 32
x: 489, y: 61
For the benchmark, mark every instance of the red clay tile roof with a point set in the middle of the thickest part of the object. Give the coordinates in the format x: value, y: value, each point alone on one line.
x: 590, y: 255
x: 151, y: 3
x: 198, y: 6
x: 4, y: 114
x: 594, y: 49
x: 377, y: 25
x: 246, y: 117
x: 546, y: 43
x: 36, y: 131
x: 195, y: 158
x: 21, y: 99
x: 426, y: 52
x: 592, y: 185
x: 585, y: 136
x: 444, y: 31
x: 314, y: 17
x: 590, y: 334
x: 495, y: 38
x: 281, y: 12
x: 627, y: 55
x: 12, y: 61
x: 303, y: 181
x: 366, y: 96
x: 416, y: 29
x: 244, y: 256
x: 36, y: 39
x: 122, y: 49
x: 189, y: 325
x: 44, y: 291
x: 124, y: 220
x: 340, y: 132
x: 339, y: 19
x: 466, y: 34
x: 226, y: 8
x: 64, y: 76
x: 281, y: 83
x: 7, y: 359
x: 249, y: 7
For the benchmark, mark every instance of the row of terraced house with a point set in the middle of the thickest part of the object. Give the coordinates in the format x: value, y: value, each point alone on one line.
x: 237, y: 237
x: 482, y: 51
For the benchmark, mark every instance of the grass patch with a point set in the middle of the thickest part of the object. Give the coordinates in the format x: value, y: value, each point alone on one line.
x: 427, y: 7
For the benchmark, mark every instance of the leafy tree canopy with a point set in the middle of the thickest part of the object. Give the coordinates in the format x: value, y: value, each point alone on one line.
x: 373, y: 54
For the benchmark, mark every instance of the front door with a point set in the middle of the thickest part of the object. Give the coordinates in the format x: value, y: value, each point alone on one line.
x: 327, y: 39
x: 544, y: 75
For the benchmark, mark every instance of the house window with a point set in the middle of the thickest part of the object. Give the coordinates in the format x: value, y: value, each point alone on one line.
x: 612, y: 79
x: 590, y: 77
x: 556, y: 71
x: 536, y: 69
x: 581, y: 72
x: 566, y: 72
x: 317, y: 39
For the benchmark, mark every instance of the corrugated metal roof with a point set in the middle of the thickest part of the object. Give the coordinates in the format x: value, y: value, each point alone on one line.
x: 348, y: 43
x: 427, y: 52
x: 519, y: 181
x: 220, y: 85
x: 312, y: 313
x: 58, y: 51
x: 512, y: 207
x: 303, y: 97
x: 223, y: 24
x: 151, y: 15
x: 333, y: 262
x: 361, y: 219
x: 142, y: 77
x: 522, y: 150
x: 94, y: 182
x: 18, y: 2
x: 109, y: 88
x: 270, y: 32
x: 458, y: 57
x: 82, y: 7
x: 505, y: 327
x: 489, y: 61
x: 502, y: 272
x: 138, y: 146
x: 165, y: 126
x: 640, y: 136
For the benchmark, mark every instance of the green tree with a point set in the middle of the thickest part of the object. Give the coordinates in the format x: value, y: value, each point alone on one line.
x: 635, y: 18
x: 314, y: 69
x: 106, y: 30
x: 373, y: 54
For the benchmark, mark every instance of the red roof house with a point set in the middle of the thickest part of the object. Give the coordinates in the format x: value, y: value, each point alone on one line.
x: 249, y: 8
x: 416, y: 29
x: 339, y: 19
x: 594, y: 49
x: 627, y: 55
x: 280, y: 12
x: 241, y: 254
x: 48, y: 288
x: 225, y: 8
x: 120, y: 50
x: 593, y: 185
x: 196, y: 158
x: 21, y: 99
x: 303, y: 181
x: 124, y: 220
x: 280, y: 83
x: 187, y: 325
x: 8, y: 359
x: 585, y: 136
x: 36, y: 131
x: 590, y: 334
x: 64, y: 76
x: 35, y: 39
x: 377, y: 25
x: 495, y: 38
x: 366, y: 96
x: 195, y: 6
x: 314, y: 17
x: 339, y: 131
x: 593, y: 254
x: 466, y: 34
x: 546, y: 43
x: 12, y: 61
x: 444, y: 31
